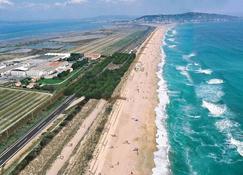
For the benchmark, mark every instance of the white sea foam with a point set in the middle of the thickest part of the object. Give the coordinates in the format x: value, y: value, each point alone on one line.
x: 174, y: 93
x: 181, y: 68
x: 172, y: 46
x: 189, y: 56
x: 224, y: 125
x: 169, y: 35
x: 204, y: 71
x: 194, y: 116
x: 161, y: 159
x: 164, y: 43
x: 171, y: 39
x: 174, y: 32
x: 238, y: 144
x: 214, y: 109
x: 184, y: 71
x: 212, y: 93
x: 215, y: 81
x: 227, y: 126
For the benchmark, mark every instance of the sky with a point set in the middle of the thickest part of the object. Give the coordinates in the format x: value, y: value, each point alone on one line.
x: 76, y: 9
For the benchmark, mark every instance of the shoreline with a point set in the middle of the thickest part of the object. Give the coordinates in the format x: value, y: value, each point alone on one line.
x: 161, y: 154
x: 129, y: 143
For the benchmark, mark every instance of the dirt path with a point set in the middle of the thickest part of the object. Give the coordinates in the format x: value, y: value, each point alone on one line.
x: 69, y: 148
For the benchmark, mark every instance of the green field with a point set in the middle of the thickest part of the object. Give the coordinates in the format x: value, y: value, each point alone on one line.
x: 15, y: 105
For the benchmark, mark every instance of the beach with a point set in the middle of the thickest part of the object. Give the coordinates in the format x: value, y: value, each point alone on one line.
x: 129, y: 142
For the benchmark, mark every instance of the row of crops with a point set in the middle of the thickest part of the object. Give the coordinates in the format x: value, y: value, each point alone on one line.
x: 15, y: 105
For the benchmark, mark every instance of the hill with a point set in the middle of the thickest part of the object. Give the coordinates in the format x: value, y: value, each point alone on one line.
x: 186, y: 17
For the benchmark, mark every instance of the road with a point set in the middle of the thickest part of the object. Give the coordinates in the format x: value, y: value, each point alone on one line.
x: 17, y: 146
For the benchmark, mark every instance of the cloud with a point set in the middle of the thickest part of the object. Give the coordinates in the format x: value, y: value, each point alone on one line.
x: 76, y: 1
x: 70, y: 2
x: 117, y: 1
x: 34, y: 5
x: 5, y: 2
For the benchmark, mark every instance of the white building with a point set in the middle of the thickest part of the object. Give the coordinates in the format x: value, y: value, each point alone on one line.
x: 19, y: 72
x: 2, y: 66
x: 35, y: 73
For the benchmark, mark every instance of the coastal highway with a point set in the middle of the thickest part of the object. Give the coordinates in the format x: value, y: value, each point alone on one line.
x: 17, y: 146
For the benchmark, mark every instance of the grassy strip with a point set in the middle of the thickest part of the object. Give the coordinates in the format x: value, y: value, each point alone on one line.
x: 46, y: 138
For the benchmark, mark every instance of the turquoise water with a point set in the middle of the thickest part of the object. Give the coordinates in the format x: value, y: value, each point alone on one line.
x: 204, y: 75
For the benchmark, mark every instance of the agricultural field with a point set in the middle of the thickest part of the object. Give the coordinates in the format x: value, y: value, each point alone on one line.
x: 15, y: 105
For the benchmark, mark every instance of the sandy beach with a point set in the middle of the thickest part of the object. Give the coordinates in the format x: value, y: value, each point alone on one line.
x: 128, y: 145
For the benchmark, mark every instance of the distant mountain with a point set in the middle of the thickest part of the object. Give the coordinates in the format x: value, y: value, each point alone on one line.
x: 186, y: 17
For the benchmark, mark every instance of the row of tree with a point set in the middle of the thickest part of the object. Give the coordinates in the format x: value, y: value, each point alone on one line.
x: 75, y: 56
x: 100, y: 82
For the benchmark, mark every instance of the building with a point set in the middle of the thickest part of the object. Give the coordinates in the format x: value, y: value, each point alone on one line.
x: 49, y: 69
x: 18, y: 84
x: 2, y: 66
x: 36, y: 73
x: 31, y: 85
x: 59, y: 56
x: 92, y: 56
x: 19, y: 72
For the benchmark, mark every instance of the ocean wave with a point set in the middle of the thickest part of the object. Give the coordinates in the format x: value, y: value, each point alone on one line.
x: 224, y: 125
x: 215, y: 81
x: 189, y: 163
x: 161, y: 155
x: 214, y: 109
x: 169, y: 35
x: 238, y: 144
x: 227, y: 126
x: 212, y: 93
x: 174, y: 32
x: 189, y: 56
x: 204, y: 71
x: 171, y: 39
x: 164, y: 43
x: 174, y: 93
x: 172, y: 46
x: 181, y: 68
x: 194, y: 116
x: 184, y: 71
x: 169, y: 32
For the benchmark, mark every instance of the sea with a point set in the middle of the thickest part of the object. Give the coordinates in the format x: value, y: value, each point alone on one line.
x: 200, y: 115
x: 33, y: 29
